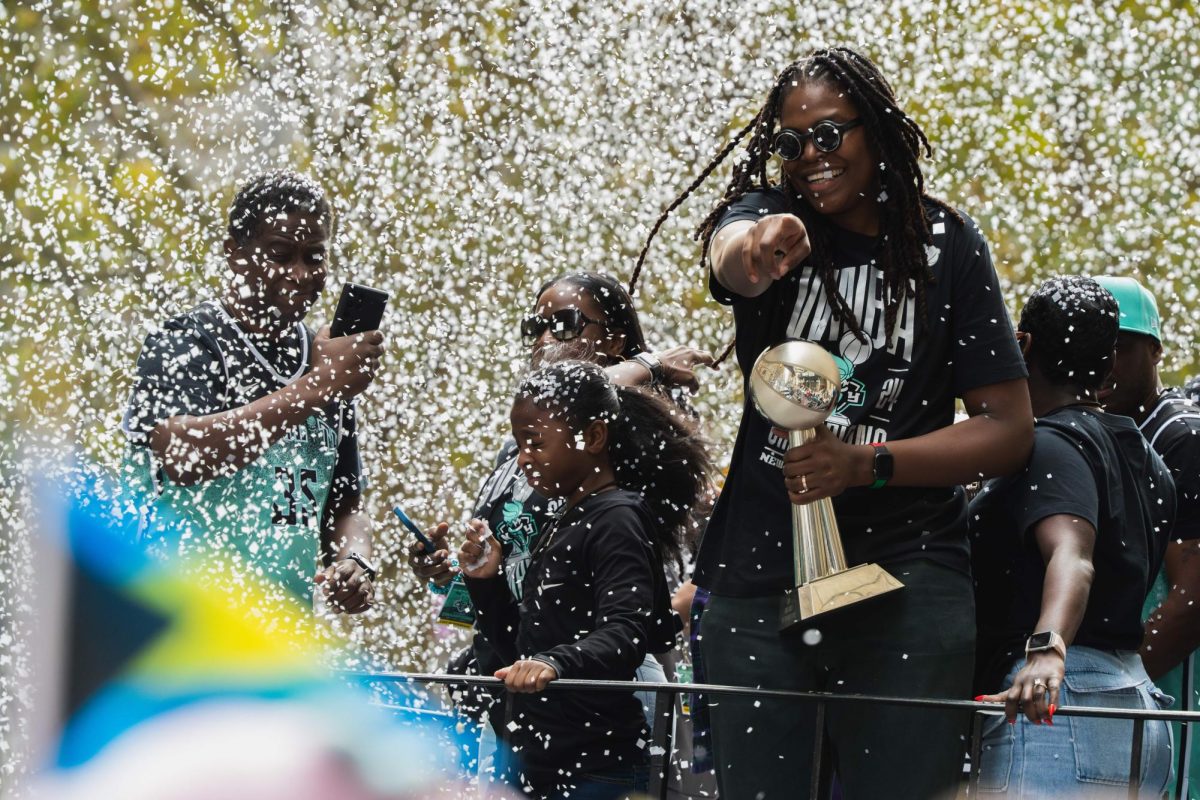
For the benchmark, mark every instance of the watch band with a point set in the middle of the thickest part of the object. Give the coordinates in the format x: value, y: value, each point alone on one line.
x: 885, y: 465
x: 652, y: 363
x: 362, y: 562
x: 1046, y: 640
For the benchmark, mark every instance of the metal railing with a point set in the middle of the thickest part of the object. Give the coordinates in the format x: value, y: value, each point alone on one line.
x: 664, y: 725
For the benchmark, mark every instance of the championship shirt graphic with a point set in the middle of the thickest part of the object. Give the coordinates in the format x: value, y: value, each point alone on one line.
x: 864, y: 409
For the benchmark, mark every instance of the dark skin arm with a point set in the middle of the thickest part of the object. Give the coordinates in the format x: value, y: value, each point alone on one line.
x: 196, y: 449
x: 345, y: 530
x: 1066, y: 544
x: 996, y: 440
x: 679, y: 368
x: 1173, y: 629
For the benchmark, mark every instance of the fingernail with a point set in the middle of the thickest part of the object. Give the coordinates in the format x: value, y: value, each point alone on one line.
x: 978, y: 698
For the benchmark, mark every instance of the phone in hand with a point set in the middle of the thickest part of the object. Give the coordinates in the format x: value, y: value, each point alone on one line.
x: 425, y: 541
x: 359, y: 309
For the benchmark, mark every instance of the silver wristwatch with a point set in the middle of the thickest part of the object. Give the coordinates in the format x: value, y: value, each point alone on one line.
x: 362, y: 562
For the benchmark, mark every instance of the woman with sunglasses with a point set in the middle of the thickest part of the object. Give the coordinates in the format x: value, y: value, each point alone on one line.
x: 582, y: 316
x: 843, y: 246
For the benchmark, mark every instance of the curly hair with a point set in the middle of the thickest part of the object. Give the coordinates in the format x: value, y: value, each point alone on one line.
x: 1074, y: 322
x: 272, y: 193
x: 653, y: 447
x: 899, y: 143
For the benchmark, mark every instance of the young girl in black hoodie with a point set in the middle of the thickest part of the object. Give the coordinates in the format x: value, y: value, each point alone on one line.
x: 628, y: 467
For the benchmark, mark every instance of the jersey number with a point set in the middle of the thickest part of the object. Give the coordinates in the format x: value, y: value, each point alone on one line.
x: 299, y: 506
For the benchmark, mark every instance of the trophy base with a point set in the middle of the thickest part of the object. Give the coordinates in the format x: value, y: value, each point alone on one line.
x: 835, y: 591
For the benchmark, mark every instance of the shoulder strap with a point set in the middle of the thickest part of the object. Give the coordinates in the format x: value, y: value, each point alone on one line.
x: 1168, y: 410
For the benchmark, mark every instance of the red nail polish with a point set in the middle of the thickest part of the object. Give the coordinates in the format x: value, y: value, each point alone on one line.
x: 978, y: 698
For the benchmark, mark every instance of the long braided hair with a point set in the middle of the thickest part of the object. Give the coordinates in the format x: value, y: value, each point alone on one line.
x: 899, y: 143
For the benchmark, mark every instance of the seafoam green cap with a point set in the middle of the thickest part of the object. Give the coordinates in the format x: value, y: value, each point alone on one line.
x: 1139, y: 312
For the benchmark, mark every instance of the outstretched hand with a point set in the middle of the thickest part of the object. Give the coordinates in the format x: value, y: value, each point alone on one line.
x: 679, y: 366
x: 777, y: 244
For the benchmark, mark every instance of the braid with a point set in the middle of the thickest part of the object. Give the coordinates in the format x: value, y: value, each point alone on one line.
x: 898, y: 140
x: 703, y: 176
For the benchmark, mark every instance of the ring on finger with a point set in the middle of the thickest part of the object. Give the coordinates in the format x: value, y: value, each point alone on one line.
x: 804, y: 483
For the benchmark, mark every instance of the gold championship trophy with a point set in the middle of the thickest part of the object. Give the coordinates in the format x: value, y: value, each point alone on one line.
x: 795, y: 386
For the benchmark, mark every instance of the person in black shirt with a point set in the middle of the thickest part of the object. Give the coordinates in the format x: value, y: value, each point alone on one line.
x: 627, y: 466
x: 1170, y: 421
x: 1064, y: 554
x: 845, y: 248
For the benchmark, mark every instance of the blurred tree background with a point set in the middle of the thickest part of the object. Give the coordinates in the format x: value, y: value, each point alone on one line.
x: 473, y: 150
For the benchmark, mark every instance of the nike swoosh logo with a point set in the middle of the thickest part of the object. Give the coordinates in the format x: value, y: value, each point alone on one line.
x: 546, y: 586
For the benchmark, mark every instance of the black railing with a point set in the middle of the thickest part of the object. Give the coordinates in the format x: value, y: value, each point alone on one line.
x: 664, y: 725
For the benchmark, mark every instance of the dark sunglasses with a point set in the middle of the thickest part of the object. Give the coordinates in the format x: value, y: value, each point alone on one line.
x: 565, y: 324
x: 826, y: 136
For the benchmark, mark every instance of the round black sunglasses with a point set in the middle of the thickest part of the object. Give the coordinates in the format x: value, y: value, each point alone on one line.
x: 826, y: 136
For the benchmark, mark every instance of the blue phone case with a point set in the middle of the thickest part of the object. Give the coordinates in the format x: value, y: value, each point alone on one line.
x: 421, y: 537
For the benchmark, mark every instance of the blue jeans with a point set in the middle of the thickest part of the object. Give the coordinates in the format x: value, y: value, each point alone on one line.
x: 649, y: 672
x: 1083, y: 757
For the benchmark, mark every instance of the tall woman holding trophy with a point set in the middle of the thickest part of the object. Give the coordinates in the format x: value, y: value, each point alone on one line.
x: 842, y: 247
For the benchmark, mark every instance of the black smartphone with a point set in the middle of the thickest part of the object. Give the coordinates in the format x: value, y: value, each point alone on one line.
x: 359, y: 309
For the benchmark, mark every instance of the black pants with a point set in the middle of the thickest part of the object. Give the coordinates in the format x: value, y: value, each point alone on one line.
x: 916, y: 642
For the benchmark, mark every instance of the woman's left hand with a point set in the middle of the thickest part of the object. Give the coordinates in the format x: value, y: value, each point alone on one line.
x: 679, y: 366
x: 527, y: 675
x: 1034, y: 689
x: 824, y: 467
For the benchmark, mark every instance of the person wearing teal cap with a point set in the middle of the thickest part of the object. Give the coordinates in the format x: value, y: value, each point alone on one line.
x: 1171, y: 424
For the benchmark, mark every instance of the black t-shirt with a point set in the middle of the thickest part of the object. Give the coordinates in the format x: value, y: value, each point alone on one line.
x: 888, y: 393
x: 517, y: 515
x: 595, y: 602
x: 1097, y: 467
x: 202, y: 362
x: 1173, y: 430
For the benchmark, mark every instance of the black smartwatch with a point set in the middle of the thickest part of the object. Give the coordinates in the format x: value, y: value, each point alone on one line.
x: 362, y: 562
x: 885, y: 465
x: 652, y: 363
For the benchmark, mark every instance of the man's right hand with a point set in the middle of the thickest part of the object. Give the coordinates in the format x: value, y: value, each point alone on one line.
x: 436, y: 566
x: 344, y: 366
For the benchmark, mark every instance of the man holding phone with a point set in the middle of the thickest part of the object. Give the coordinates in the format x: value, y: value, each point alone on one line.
x: 242, y: 423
